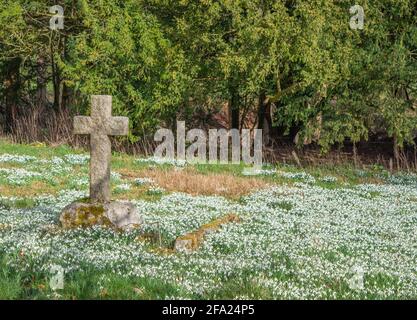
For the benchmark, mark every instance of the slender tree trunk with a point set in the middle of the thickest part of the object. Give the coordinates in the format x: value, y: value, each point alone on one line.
x: 396, y: 151
x: 67, y: 97
x: 56, y: 82
x: 234, y: 107
x: 12, y: 86
x: 41, y: 98
x: 355, y: 155
x: 264, y: 118
x: 66, y: 93
x: 58, y: 95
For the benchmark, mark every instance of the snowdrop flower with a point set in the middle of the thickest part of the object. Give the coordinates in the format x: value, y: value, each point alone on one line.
x: 77, y: 159
x: 295, y: 241
x: 16, y: 158
x: 329, y: 179
x: 143, y: 181
x: 123, y: 187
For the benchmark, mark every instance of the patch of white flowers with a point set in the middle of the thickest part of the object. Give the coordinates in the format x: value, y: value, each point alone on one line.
x: 13, y: 158
x: 77, y: 159
x: 258, y: 172
x: 123, y: 187
x: 81, y: 181
x: 17, y: 176
x: 308, y: 178
x: 402, y: 178
x: 55, y: 161
x: 37, y: 169
x: 329, y: 179
x: 294, y: 242
x: 155, y: 190
x: 115, y: 176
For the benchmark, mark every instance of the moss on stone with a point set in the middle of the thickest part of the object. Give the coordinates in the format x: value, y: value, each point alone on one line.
x: 84, y: 200
x: 116, y: 215
x: 191, y: 241
x: 4, y: 227
x: 85, y: 216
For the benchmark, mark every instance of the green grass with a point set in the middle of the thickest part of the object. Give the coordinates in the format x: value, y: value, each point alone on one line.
x: 36, y: 149
x: 345, y: 173
x: 79, y: 286
x: 29, y: 284
x: 283, y: 205
x: 10, y: 282
x: 23, y: 203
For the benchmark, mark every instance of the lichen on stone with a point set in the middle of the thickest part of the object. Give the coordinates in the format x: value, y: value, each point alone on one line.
x: 85, y: 216
x: 4, y: 226
x: 120, y: 216
x: 191, y: 241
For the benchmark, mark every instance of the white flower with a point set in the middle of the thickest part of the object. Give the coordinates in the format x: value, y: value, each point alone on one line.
x: 154, y: 190
x: 123, y: 187
x: 77, y: 159
x: 258, y: 172
x: 142, y: 181
x: 329, y: 179
x: 293, y: 242
x: 16, y: 158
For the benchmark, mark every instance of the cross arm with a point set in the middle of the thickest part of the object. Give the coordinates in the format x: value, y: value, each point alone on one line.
x: 118, y: 126
x: 83, y: 125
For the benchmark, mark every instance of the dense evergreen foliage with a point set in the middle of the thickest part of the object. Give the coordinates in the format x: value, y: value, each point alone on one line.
x: 164, y: 60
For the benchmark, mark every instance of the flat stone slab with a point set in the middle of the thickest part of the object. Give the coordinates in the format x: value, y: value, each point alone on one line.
x: 191, y: 241
x: 118, y: 215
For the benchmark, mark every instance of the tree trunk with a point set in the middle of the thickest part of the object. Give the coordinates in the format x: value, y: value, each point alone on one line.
x: 396, y: 151
x: 234, y: 106
x: 67, y: 97
x: 58, y: 92
x: 41, y: 98
x: 12, y: 86
x: 355, y: 155
x: 264, y: 118
x: 56, y: 82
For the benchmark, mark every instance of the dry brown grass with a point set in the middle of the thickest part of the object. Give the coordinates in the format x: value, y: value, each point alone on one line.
x: 33, y: 189
x: 10, y: 165
x: 194, y: 183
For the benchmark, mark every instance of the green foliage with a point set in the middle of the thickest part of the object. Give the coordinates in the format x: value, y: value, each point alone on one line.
x: 165, y: 59
x: 122, y: 52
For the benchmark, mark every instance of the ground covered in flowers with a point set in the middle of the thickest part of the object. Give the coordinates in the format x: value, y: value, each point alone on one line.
x: 307, y: 235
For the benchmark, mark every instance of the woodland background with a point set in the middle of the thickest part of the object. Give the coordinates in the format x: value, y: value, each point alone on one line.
x: 292, y: 68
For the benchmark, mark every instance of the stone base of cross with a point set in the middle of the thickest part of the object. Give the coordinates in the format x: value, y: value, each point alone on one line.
x: 100, y: 126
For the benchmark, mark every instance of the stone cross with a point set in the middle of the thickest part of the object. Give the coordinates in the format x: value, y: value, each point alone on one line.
x: 100, y: 126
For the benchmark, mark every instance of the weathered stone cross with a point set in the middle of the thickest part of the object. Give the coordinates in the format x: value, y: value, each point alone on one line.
x: 100, y: 126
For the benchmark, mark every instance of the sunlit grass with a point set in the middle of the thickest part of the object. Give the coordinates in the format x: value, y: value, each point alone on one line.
x: 301, y: 230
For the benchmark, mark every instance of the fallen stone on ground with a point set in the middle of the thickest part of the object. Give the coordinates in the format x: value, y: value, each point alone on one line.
x: 193, y: 240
